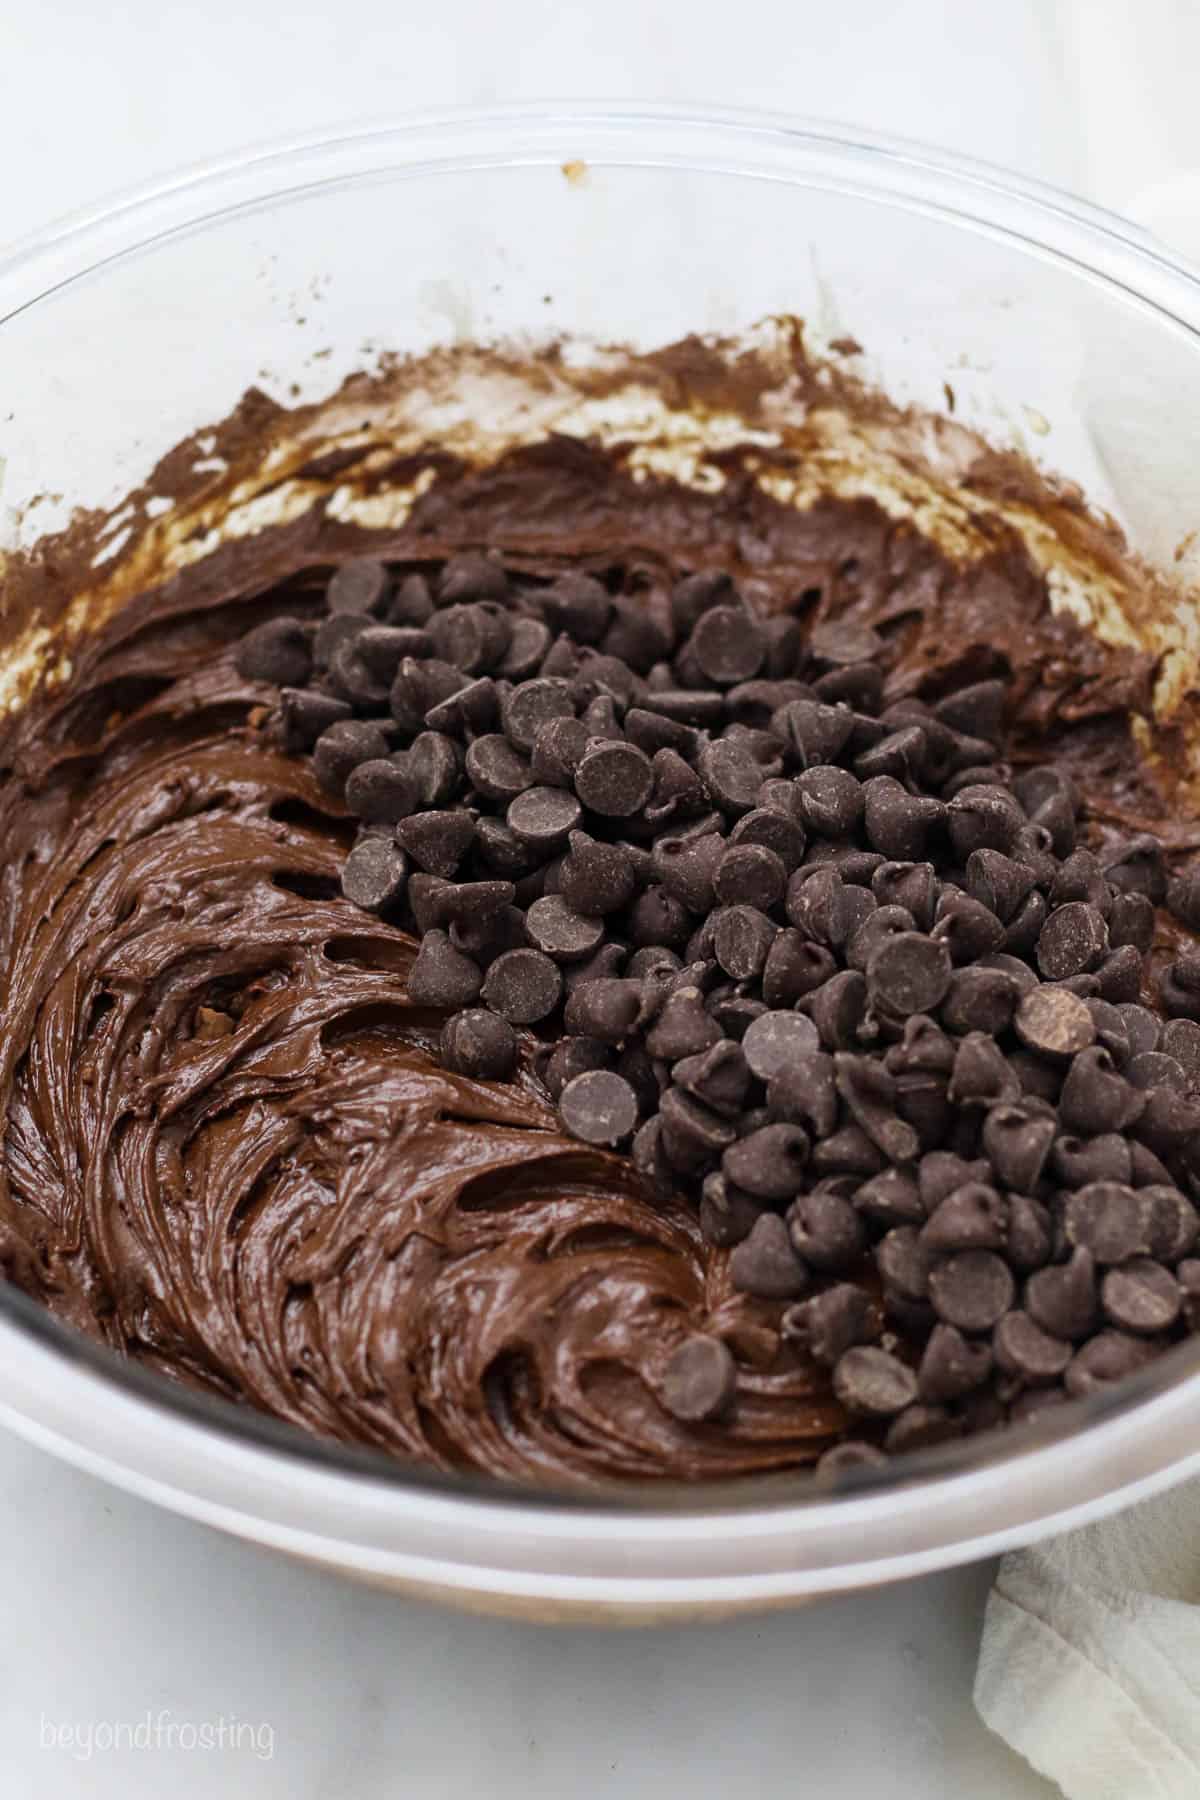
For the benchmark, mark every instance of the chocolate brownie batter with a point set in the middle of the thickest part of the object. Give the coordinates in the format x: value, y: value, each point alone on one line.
x: 230, y: 1151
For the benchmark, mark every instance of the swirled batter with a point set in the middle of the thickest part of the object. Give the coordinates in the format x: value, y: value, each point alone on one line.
x: 229, y: 1152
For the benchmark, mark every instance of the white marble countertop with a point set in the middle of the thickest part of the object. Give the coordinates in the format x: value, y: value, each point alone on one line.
x: 118, y: 1616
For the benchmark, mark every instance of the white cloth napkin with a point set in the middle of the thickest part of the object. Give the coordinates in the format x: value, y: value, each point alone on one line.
x: 1090, y: 1662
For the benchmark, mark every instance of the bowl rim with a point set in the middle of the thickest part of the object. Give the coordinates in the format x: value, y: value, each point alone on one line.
x: 221, y: 1462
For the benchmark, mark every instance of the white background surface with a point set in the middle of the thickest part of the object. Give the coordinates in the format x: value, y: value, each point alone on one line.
x: 113, y: 1611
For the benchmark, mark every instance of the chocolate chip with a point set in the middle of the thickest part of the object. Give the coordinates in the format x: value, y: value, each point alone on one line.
x: 411, y: 603
x: 973, y: 1217
x: 765, y: 1264
x: 873, y: 1382
x: 304, y: 714
x: 1174, y: 1224
x: 806, y: 1094
x: 1022, y: 1349
x: 607, y: 1008
x: 1095, y: 1097
x: 380, y: 792
x: 1054, y: 1022
x: 496, y: 769
x: 981, y: 1000
x: 891, y: 1198
x: 471, y: 575
x: 614, y: 779
x: 750, y: 875
x: 847, y: 1457
x: 442, y: 976
x: 794, y: 967
x: 1141, y: 1296
x: 699, y: 1382
x: 742, y: 937
x: 560, y: 931
x: 718, y: 1077
x: 543, y: 817
x: 731, y: 774
x: 436, y: 841
x: 1131, y: 921
x: 1016, y: 1141
x: 1062, y: 1299
x: 1030, y: 1237
x: 982, y: 1075
x: 831, y: 800
x: 374, y: 874
x: 656, y: 917
x: 558, y: 749
x: 579, y: 605
x: 904, y: 1262
x: 826, y: 1230
x: 683, y: 1027
x: 531, y: 705
x: 896, y: 822
x: 838, y: 1009
x: 1077, y: 1162
x: 342, y: 747
x: 830, y: 1323
x: 692, y: 1134
x: 951, y: 1366
x: 967, y: 928
x: 1108, y: 1357
x: 571, y: 1056
x: 773, y: 1042
x: 1073, y: 940
x: 727, y: 645
x: 599, y: 1107
x: 869, y: 1093
x: 434, y: 767
x: 972, y: 1289
x: 523, y: 986
x: 478, y: 1044
x: 782, y: 835
x: 768, y: 1163
x: 359, y: 586
x: 1183, y: 897
x: 910, y: 973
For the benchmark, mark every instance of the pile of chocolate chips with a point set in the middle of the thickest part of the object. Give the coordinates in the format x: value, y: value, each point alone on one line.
x: 824, y: 964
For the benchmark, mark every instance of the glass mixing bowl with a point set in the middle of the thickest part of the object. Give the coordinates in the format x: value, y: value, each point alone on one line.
x: 1046, y: 323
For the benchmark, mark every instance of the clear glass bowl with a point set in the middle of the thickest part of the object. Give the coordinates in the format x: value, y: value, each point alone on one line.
x: 1056, y: 326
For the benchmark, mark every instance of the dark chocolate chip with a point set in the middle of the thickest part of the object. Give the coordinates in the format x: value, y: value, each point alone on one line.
x: 982, y: 1074
x: 1027, y: 1352
x: 699, y: 1382
x: 831, y: 1323
x: 891, y: 1198
x: 1095, y: 1097
x: 1108, y: 1357
x: 873, y: 1382
x: 951, y: 1366
x: 1054, y: 1022
x: 359, y: 586
x: 442, y: 976
x: 1074, y: 939
x: 304, y: 714
x: 436, y: 841
x: 527, y: 646
x: 727, y: 645
x: 479, y: 1044
x: 1016, y: 1141
x: 910, y: 973
x: 794, y: 967
x: 342, y: 747
x: 1141, y: 1296
x: 838, y: 1009
x: 434, y: 768
x: 543, y: 817
x: 599, y: 1107
x: 471, y: 575
x: 973, y: 1217
x: 531, y: 705
x: 571, y: 1056
x: 380, y: 791
x: 606, y: 1008
x: 1077, y: 1162
x: 904, y: 1262
x: 972, y: 1289
x: 750, y: 875
x: 1183, y: 897
x: 826, y: 1230
x: 774, y: 831
x: 614, y: 779
x: 683, y: 1027
x: 968, y: 929
x: 1030, y: 1235
x: 981, y: 1000
x: 765, y: 1264
x: 523, y: 986
x: 1062, y: 1299
x: 717, y: 1076
x: 742, y: 937
x: 374, y: 874
x: 496, y: 770
x: 831, y: 800
x: 692, y: 1134
x: 772, y: 1044
x: 768, y: 1163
